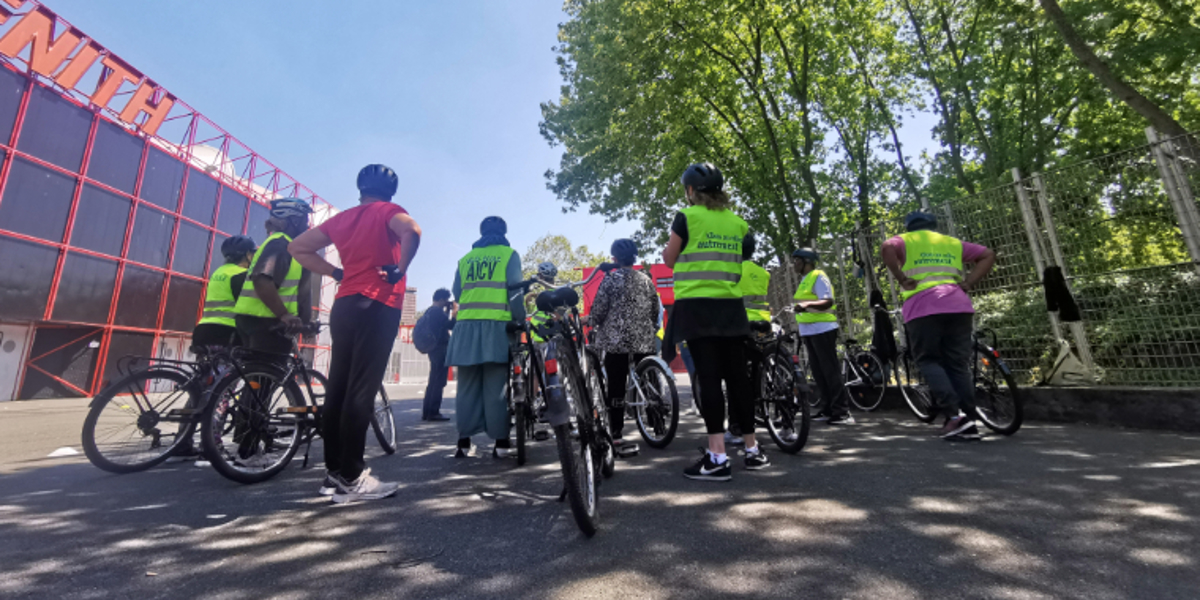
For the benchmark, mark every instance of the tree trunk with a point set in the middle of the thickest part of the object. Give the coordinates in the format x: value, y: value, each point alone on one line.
x: 1124, y: 92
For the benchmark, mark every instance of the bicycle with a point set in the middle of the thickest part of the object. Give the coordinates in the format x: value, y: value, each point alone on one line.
x: 526, y: 401
x: 998, y: 401
x: 574, y: 407
x: 259, y: 416
x: 863, y: 376
x: 908, y: 379
x: 781, y: 406
x: 124, y: 429
x: 650, y: 399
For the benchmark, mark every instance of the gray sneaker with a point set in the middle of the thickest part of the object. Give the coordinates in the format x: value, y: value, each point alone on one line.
x: 366, y: 487
x: 329, y: 487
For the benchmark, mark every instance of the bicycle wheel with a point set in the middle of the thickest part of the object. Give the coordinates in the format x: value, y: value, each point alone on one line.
x: 602, y: 420
x: 786, y: 415
x: 914, y: 389
x: 865, y: 382
x: 254, y: 424
x: 384, y: 422
x: 578, y: 454
x: 135, y: 423
x: 517, y: 404
x: 997, y: 397
x: 658, y: 415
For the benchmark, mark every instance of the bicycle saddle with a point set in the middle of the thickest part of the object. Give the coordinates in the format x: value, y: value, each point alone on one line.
x: 550, y: 300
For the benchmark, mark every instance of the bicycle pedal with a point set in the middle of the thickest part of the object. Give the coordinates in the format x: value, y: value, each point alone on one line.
x: 628, y: 450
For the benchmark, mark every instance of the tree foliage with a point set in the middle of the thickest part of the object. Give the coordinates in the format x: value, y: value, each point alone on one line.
x: 557, y: 249
x: 800, y: 102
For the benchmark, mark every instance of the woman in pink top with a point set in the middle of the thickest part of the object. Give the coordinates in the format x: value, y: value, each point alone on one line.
x: 939, y: 322
x: 376, y: 241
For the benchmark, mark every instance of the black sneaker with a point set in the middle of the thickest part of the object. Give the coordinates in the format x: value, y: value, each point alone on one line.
x: 821, y: 416
x: 970, y: 434
x: 330, y: 486
x: 465, y: 449
x: 955, y: 426
x: 757, y: 460
x: 706, y: 470
x: 842, y: 419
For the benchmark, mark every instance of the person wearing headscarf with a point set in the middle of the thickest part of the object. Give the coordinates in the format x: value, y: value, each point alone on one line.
x: 625, y: 316
x: 480, y: 344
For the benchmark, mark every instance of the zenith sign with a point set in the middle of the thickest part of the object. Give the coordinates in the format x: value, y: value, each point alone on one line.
x: 47, y: 54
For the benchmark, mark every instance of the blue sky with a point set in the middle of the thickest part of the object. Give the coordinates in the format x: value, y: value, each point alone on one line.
x: 446, y: 93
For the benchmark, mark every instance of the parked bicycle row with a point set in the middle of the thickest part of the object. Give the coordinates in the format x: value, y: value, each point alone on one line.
x: 549, y: 372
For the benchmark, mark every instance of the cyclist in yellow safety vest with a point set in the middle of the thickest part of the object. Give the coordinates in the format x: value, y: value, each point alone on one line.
x: 938, y: 314
x: 279, y: 290
x: 816, y: 318
x: 480, y: 344
x: 217, y: 326
x: 705, y: 252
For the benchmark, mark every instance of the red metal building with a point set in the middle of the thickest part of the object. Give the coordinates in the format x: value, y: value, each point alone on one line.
x: 114, y: 198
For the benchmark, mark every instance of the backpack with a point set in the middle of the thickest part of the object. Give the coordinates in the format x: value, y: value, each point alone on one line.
x: 425, y: 335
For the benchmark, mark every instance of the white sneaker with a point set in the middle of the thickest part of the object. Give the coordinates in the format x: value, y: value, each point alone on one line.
x: 366, y: 487
x: 502, y: 452
x: 329, y: 487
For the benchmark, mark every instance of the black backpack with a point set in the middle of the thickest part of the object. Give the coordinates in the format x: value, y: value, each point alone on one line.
x: 425, y: 334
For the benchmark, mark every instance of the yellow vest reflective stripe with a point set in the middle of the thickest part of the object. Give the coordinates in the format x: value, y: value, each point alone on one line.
x: 932, y: 259
x: 249, y: 303
x: 710, y: 266
x: 538, y: 318
x: 755, y: 284
x: 483, y: 273
x: 805, y: 293
x: 219, y: 299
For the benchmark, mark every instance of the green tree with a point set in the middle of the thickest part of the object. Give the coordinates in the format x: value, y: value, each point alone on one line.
x: 557, y: 249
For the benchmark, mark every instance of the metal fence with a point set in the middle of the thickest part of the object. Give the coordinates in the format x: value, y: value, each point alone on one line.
x: 1124, y: 229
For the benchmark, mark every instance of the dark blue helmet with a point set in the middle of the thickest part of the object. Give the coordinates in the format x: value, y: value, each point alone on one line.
x: 378, y: 181
x: 625, y: 251
x: 703, y: 176
x: 237, y: 247
x: 919, y: 220
x: 806, y: 254
x: 289, y: 208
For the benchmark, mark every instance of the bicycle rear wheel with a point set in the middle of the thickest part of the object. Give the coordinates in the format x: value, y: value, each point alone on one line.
x: 658, y: 416
x: 786, y: 415
x: 254, y: 424
x: 601, y: 420
x: 136, y: 423
x: 914, y: 389
x: 384, y: 422
x: 578, y: 453
x: 997, y: 397
x: 865, y: 381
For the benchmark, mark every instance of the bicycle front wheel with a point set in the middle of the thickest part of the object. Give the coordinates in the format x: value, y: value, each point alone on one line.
x: 254, y: 424
x: 602, y: 420
x: 136, y: 423
x: 384, y: 422
x: 997, y: 397
x: 579, y: 480
x: 657, y: 411
x: 786, y: 415
x: 865, y: 381
x: 914, y: 389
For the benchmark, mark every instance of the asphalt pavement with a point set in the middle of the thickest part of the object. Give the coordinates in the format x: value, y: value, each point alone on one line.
x: 877, y: 510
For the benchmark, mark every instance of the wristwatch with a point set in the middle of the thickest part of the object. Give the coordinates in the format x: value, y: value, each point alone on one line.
x: 338, y: 274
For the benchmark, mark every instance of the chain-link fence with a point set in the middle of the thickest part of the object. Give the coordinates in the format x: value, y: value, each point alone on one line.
x: 1124, y: 230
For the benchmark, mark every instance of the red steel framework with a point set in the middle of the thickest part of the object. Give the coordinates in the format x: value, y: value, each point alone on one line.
x: 236, y: 166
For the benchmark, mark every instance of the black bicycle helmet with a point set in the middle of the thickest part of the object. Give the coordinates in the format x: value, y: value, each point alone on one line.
x: 379, y: 181
x: 749, y: 245
x: 625, y: 251
x: 703, y: 177
x: 236, y: 247
x: 919, y: 220
x: 806, y: 254
x: 286, y: 208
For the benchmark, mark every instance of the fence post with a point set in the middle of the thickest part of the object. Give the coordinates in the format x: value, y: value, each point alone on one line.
x: 883, y: 237
x: 1179, y: 192
x: 1035, y: 243
x: 838, y: 252
x: 950, y: 228
x: 1077, y: 330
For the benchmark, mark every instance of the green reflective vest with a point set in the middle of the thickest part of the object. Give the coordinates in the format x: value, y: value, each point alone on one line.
x: 710, y: 266
x: 249, y: 303
x: 219, y: 299
x: 755, y: 284
x: 538, y: 318
x: 483, y: 273
x: 805, y: 293
x: 932, y: 259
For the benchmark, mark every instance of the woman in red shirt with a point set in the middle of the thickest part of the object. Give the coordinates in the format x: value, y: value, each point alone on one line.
x: 376, y: 242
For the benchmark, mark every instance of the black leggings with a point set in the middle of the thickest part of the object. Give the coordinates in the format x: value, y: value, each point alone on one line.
x: 723, y: 359
x: 363, y: 332
x: 616, y: 365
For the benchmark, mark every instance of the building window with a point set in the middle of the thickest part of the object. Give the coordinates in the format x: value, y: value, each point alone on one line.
x: 85, y: 289
x: 151, y: 239
x: 116, y: 156
x: 256, y: 224
x: 162, y: 179
x: 141, y: 290
x: 200, y: 199
x: 36, y: 201
x: 191, y: 250
x: 183, y: 304
x: 102, y: 217
x: 12, y: 89
x: 26, y: 273
x: 55, y: 129
x: 233, y: 212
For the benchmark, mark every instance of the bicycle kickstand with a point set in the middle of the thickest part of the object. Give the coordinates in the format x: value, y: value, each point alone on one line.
x: 307, y: 449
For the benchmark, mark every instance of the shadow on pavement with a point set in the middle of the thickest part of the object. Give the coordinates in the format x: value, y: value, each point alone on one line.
x: 877, y: 510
